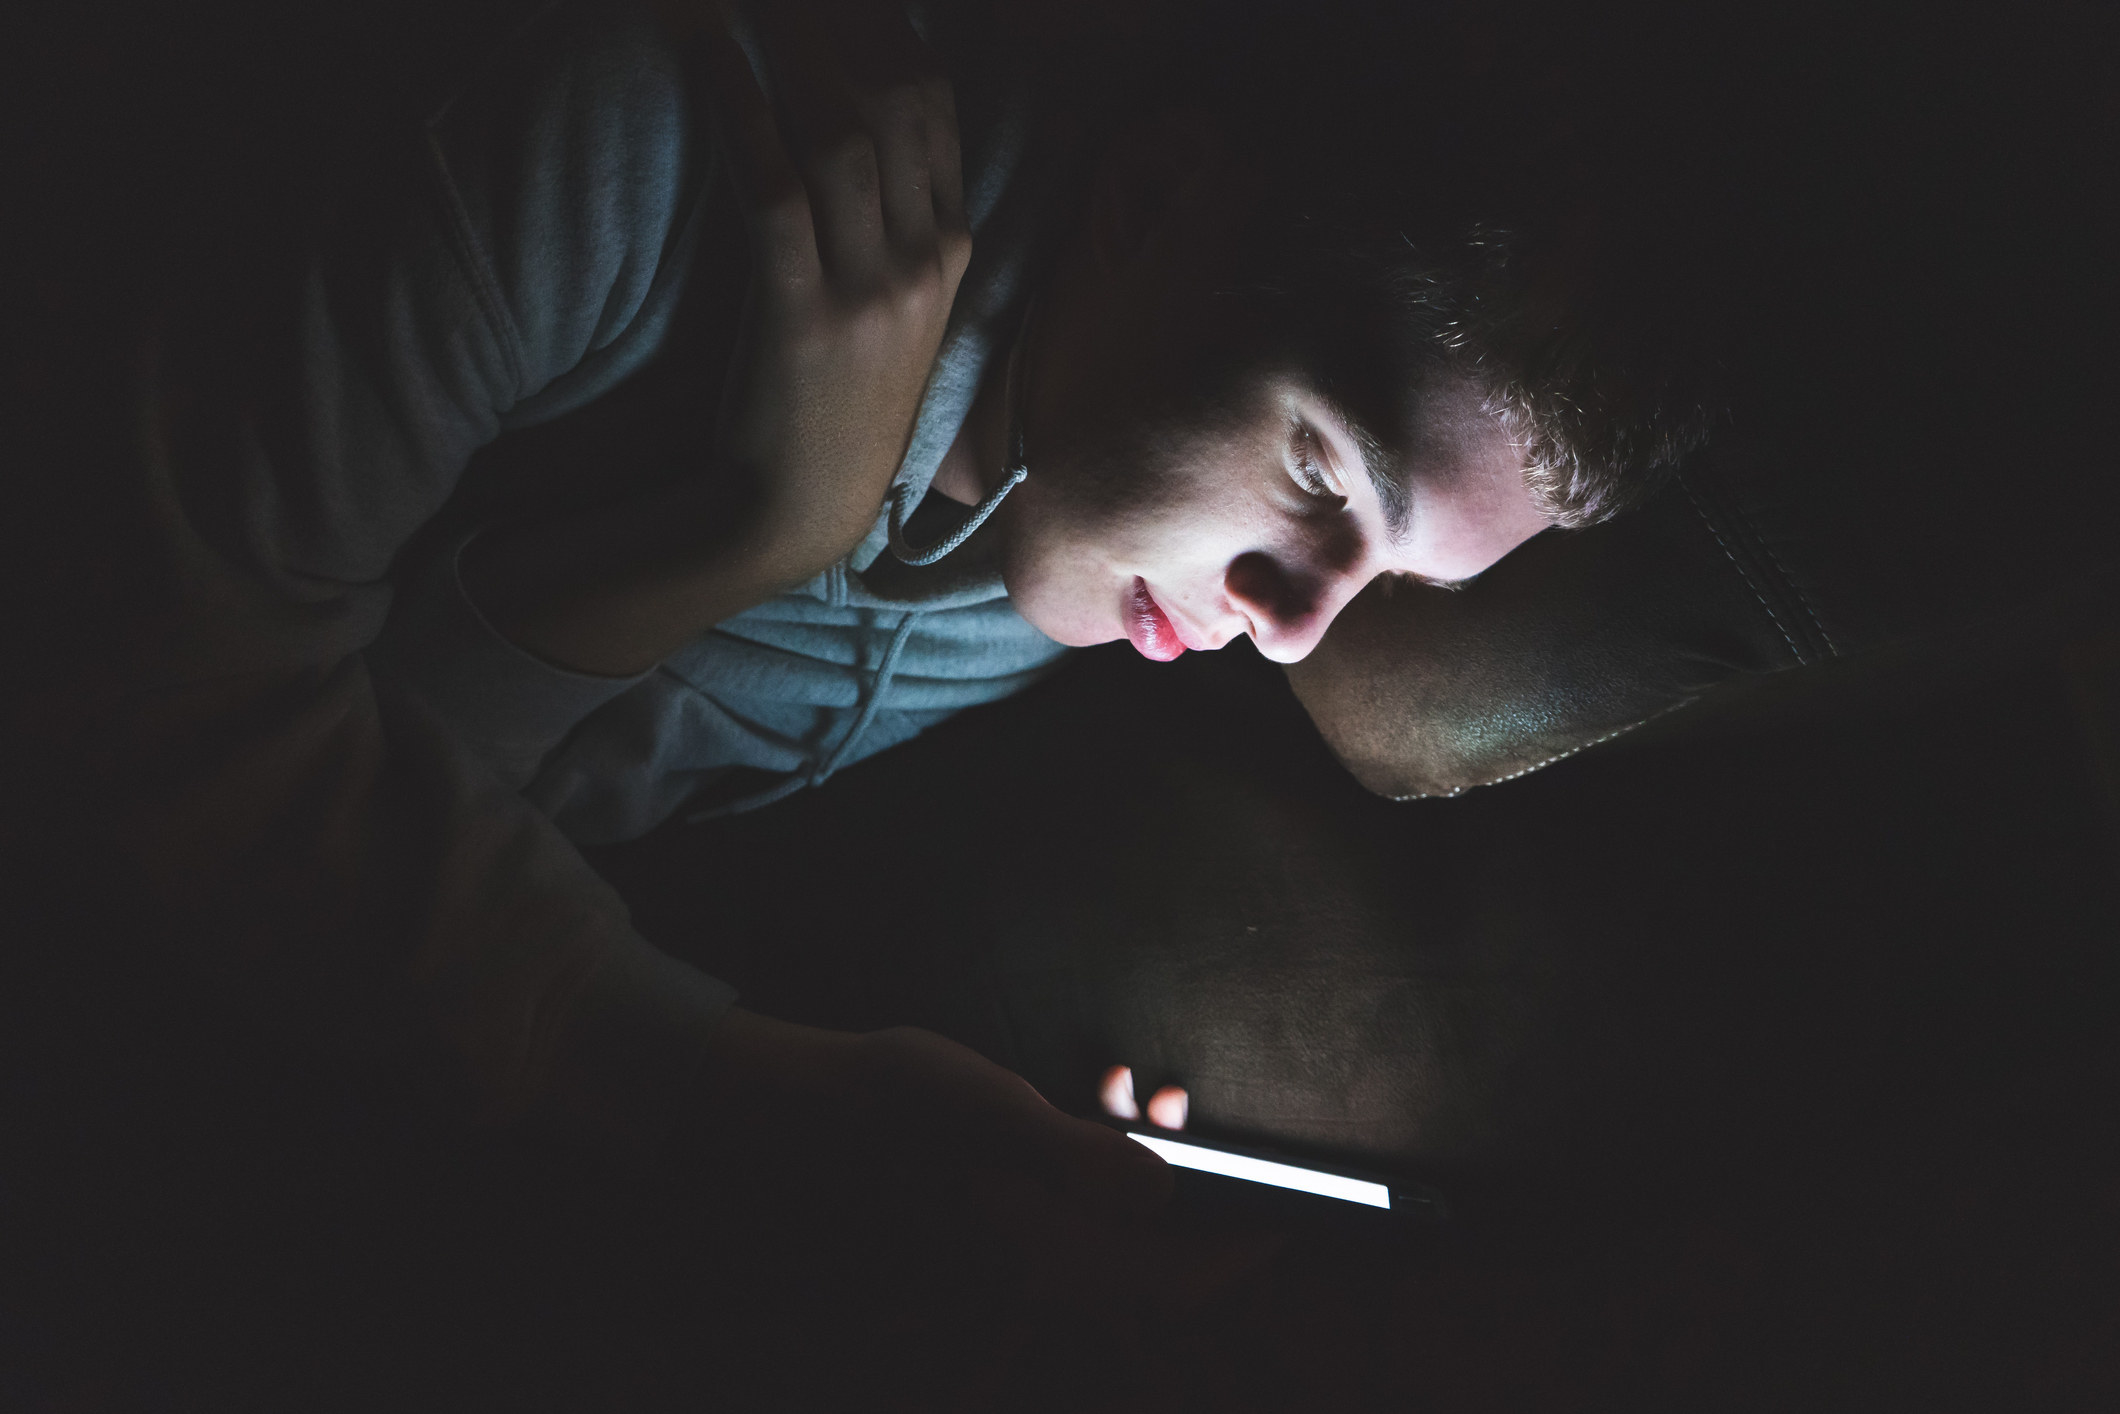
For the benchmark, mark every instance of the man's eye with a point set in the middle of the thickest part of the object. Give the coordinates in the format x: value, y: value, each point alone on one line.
x: 1305, y: 465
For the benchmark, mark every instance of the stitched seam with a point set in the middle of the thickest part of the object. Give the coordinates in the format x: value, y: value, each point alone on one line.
x: 485, y: 286
x: 1558, y: 756
x: 1748, y: 529
x: 1742, y: 573
x: 1789, y: 583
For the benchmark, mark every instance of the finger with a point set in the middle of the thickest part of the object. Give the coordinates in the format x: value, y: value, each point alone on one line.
x: 894, y: 77
x: 964, y: 1100
x: 768, y: 186
x: 1097, y: 1165
x: 1167, y: 1108
x: 832, y: 146
x: 1116, y: 1093
x: 1110, y: 1172
x: 946, y: 162
x: 897, y: 121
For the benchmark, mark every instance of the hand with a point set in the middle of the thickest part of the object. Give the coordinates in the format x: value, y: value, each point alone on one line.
x: 935, y: 1206
x: 909, y: 1098
x: 856, y: 214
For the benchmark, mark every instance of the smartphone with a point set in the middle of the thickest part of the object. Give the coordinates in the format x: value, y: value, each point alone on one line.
x: 1219, y: 1175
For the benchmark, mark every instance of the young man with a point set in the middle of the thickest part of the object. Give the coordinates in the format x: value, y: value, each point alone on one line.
x: 953, y: 414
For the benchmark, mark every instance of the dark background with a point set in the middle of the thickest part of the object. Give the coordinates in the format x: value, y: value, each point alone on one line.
x: 1767, y: 1058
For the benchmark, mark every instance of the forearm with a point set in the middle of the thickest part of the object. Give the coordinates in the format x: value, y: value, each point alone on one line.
x: 315, y: 839
x: 617, y: 590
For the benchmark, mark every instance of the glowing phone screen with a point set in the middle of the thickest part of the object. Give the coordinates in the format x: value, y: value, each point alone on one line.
x: 1325, y: 1185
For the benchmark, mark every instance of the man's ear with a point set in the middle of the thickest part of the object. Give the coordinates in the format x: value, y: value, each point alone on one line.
x: 1149, y: 169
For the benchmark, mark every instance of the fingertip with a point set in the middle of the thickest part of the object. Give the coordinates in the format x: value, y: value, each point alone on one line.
x: 1168, y: 1107
x: 1116, y: 1093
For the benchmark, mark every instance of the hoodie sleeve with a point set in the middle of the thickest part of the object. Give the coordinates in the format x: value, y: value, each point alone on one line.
x: 331, y: 822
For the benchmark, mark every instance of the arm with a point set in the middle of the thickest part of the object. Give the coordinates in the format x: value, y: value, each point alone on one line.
x: 312, y: 827
x: 317, y: 836
x: 859, y: 240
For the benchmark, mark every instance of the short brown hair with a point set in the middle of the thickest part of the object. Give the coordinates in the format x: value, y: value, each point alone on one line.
x: 1402, y: 239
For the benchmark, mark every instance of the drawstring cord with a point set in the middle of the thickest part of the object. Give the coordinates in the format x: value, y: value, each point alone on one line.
x: 902, y: 494
x: 885, y: 671
x: 901, y: 508
x: 820, y: 771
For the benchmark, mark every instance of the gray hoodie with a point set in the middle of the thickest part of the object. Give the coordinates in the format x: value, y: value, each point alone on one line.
x: 588, y: 129
x: 339, y: 784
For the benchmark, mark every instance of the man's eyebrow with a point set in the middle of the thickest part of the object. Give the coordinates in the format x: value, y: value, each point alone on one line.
x: 1385, y: 474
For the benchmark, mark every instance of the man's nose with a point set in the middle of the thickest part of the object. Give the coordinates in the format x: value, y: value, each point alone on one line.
x: 1289, y: 612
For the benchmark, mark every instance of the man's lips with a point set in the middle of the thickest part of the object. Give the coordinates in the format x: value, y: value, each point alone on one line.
x: 1148, y: 628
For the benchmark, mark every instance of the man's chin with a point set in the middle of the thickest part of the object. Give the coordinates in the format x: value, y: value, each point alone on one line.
x: 1064, y: 624
x: 1076, y: 637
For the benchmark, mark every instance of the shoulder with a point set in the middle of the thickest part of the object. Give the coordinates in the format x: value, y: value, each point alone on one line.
x: 577, y: 81
x: 567, y: 163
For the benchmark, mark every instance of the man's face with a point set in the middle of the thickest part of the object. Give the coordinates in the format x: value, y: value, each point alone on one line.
x: 1263, y: 520
x: 1177, y: 520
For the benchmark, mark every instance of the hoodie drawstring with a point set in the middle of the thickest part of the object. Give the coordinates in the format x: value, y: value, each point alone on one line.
x: 901, y: 507
x: 1012, y: 411
x: 818, y: 771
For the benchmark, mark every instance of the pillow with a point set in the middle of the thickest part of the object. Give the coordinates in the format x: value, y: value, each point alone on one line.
x: 1756, y: 561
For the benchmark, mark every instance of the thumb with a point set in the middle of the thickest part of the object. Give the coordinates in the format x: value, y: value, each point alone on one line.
x: 956, y: 1086
x: 1091, y: 1162
x: 1108, y: 1171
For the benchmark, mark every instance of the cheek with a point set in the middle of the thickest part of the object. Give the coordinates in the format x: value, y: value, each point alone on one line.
x: 1047, y: 528
x: 1140, y: 496
x: 1054, y: 567
x: 1069, y: 521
